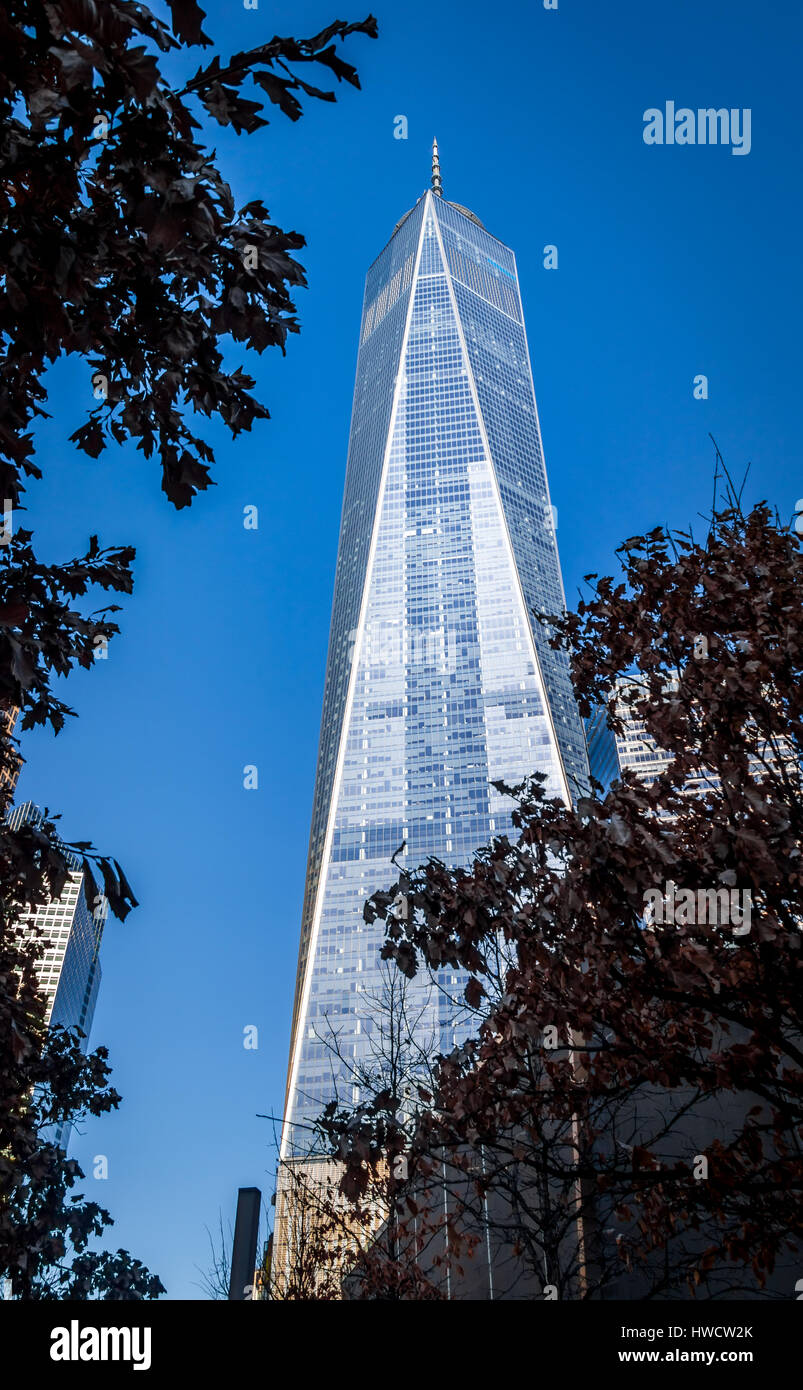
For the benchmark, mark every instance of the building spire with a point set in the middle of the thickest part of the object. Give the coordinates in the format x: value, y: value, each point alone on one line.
x: 437, y: 186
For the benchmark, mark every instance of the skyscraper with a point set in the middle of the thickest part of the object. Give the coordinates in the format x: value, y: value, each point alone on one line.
x: 439, y: 678
x: 69, y: 971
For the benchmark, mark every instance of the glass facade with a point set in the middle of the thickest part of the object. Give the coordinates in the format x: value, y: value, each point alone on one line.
x: 439, y: 680
x: 69, y: 971
x: 603, y: 756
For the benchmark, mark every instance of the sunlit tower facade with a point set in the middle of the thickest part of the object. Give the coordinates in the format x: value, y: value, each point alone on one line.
x: 70, y: 929
x: 439, y: 679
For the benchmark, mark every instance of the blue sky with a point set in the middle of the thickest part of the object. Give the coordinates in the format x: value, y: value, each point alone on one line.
x: 672, y: 262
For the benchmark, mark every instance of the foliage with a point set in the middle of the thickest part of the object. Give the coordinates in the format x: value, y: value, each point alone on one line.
x: 619, y: 1051
x: 120, y: 242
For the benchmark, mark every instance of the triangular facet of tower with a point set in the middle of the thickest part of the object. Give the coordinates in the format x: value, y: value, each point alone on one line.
x: 439, y: 681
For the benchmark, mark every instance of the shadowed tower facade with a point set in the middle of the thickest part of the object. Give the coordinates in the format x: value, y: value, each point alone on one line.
x: 439, y: 680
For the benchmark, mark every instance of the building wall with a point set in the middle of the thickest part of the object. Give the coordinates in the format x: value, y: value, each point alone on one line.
x: 69, y: 971
x: 439, y: 679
